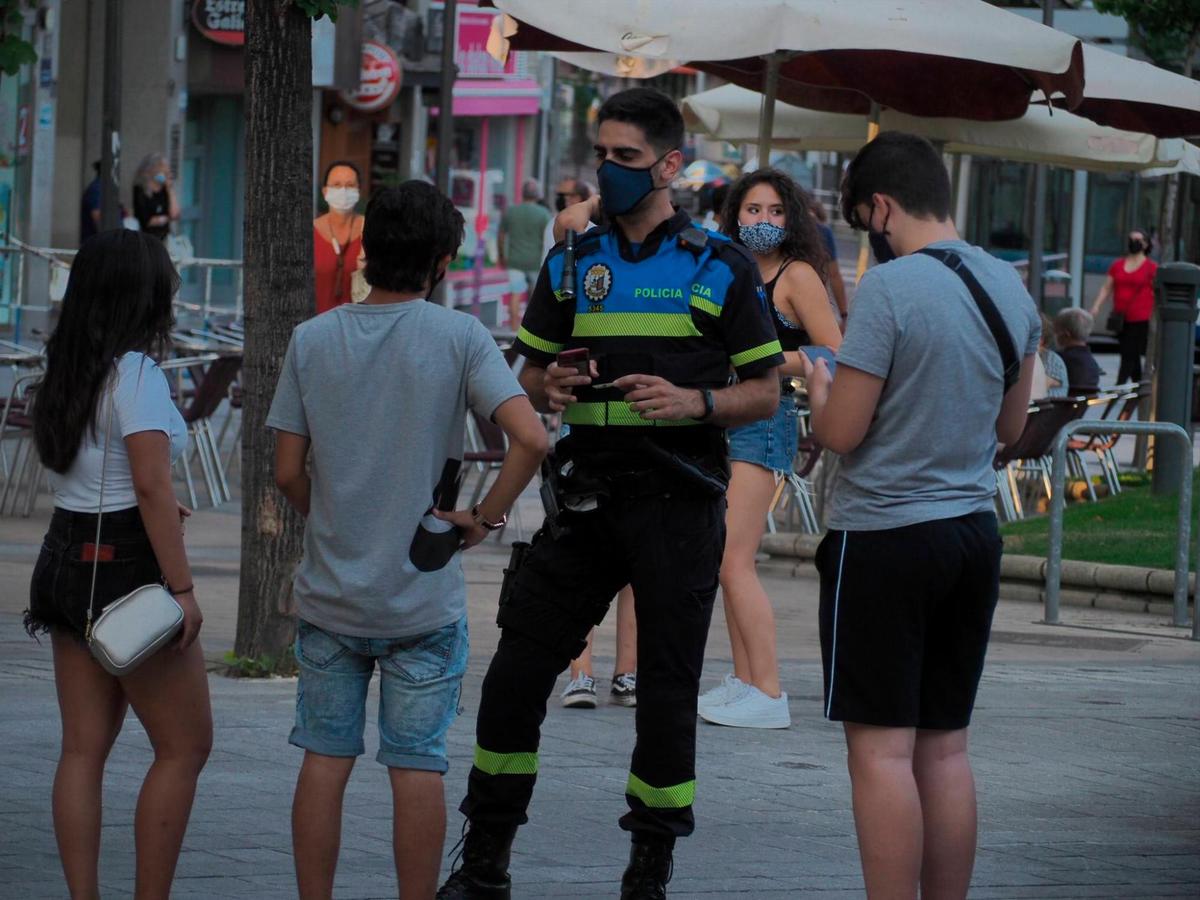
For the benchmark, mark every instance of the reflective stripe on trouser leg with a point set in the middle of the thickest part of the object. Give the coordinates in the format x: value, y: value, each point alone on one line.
x: 507, y: 731
x: 674, y: 583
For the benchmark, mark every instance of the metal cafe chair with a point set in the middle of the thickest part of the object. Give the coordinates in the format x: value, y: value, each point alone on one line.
x: 26, y: 472
x: 1029, y: 454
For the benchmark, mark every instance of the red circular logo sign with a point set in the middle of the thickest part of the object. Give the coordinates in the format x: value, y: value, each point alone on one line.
x: 222, y: 21
x: 379, y: 81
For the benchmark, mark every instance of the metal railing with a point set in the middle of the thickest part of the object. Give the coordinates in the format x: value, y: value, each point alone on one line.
x: 60, y: 257
x: 1167, y: 430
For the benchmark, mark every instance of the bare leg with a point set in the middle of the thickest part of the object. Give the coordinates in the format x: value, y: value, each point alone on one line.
x: 741, y: 659
x: 582, y: 664
x: 750, y: 490
x: 947, y: 789
x: 887, y: 809
x: 317, y: 822
x: 92, y: 707
x: 626, y: 633
x: 169, y: 694
x: 418, y: 831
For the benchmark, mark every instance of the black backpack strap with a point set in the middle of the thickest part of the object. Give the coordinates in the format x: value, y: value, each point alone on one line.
x: 995, y: 323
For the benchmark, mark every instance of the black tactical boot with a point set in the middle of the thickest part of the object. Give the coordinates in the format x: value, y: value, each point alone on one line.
x: 648, y: 872
x: 481, y: 871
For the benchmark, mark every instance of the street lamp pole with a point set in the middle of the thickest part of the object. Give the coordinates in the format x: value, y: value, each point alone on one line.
x: 110, y: 135
x: 1037, y: 240
x: 445, y: 132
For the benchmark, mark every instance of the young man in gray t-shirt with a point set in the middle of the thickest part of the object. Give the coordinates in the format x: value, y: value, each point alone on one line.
x: 910, y: 567
x: 378, y: 393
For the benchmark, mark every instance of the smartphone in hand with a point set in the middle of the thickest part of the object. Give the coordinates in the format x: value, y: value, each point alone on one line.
x: 576, y: 359
x: 815, y: 353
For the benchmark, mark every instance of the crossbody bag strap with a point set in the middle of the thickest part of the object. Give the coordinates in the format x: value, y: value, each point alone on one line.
x: 991, y: 316
x: 112, y: 401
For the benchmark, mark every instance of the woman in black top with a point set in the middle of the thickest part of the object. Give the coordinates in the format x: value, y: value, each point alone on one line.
x: 768, y: 214
x: 154, y: 202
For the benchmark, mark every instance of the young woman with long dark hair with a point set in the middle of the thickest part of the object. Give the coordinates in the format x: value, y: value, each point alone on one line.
x: 768, y: 213
x: 101, y: 386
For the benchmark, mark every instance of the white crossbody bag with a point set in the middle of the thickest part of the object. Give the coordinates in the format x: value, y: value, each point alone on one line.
x: 134, y: 627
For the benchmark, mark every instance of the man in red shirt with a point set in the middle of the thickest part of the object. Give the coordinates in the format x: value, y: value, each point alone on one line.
x: 1130, y: 281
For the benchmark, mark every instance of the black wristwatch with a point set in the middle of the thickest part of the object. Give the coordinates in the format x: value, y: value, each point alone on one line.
x: 709, y: 405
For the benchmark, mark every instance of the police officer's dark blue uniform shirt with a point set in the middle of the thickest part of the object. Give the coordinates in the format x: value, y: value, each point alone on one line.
x: 684, y: 305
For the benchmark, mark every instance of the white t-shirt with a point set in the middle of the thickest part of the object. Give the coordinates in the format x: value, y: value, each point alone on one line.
x: 143, y: 404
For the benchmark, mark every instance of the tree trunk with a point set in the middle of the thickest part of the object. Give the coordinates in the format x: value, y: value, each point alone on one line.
x: 278, y: 295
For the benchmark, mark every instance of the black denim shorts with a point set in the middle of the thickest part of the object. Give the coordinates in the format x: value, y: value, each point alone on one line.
x: 62, y: 579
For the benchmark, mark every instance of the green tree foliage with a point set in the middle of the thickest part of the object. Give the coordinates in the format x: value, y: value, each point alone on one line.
x: 14, y: 52
x: 1168, y: 31
x: 317, y: 8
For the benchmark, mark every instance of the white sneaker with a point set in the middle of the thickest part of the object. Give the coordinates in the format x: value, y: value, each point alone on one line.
x: 580, y: 693
x: 750, y: 709
x: 729, y: 688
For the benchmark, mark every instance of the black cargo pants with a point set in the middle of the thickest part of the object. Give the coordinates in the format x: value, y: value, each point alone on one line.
x: 668, y: 546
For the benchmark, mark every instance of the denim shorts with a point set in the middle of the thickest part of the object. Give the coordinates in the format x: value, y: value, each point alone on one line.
x: 420, y: 681
x: 60, y: 589
x: 769, y: 443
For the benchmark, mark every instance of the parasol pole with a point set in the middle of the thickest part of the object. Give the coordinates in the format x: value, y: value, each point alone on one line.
x: 864, y: 245
x: 766, y: 118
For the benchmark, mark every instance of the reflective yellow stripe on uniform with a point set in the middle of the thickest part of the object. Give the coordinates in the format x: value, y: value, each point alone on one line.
x: 707, y: 305
x: 674, y: 797
x: 615, y: 412
x: 537, y: 343
x: 770, y: 348
x: 633, y: 324
x: 505, y: 763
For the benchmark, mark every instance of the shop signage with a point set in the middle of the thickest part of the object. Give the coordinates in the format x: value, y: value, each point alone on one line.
x: 221, y: 21
x: 471, y: 54
x: 379, y: 81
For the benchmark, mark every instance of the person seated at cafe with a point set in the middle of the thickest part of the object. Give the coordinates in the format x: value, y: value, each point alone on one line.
x: 1071, y: 330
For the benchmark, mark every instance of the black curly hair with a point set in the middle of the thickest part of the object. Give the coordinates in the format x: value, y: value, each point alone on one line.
x: 803, y: 240
x: 408, y: 230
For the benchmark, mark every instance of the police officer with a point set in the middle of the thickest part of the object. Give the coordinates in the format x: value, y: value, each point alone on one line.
x: 664, y: 310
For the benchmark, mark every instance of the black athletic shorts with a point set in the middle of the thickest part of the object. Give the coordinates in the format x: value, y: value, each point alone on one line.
x: 905, y: 617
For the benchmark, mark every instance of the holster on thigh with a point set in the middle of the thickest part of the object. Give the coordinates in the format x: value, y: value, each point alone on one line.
x: 549, y: 616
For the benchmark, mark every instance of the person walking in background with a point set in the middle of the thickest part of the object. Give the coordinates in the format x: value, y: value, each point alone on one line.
x: 768, y: 214
x: 520, y: 242
x: 569, y: 192
x: 381, y: 580
x: 1130, y: 283
x: 1072, y: 327
x: 89, y: 207
x: 580, y: 692
x: 104, y: 421
x: 154, y: 203
x: 910, y: 567
x: 833, y: 272
x: 337, y: 236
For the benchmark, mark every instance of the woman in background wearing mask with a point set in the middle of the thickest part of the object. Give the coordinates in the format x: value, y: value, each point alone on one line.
x: 1130, y: 281
x: 768, y: 213
x: 154, y: 202
x: 337, y: 236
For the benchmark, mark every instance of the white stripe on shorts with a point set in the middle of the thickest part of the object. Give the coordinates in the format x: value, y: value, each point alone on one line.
x: 837, y: 594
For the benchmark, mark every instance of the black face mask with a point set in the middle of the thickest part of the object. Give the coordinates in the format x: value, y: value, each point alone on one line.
x: 560, y: 202
x: 878, y: 240
x: 1136, y: 245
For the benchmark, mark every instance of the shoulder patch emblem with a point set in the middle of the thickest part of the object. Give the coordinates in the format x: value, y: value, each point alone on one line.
x: 597, y: 282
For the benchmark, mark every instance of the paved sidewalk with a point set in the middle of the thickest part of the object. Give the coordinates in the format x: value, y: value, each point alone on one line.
x: 1085, y: 747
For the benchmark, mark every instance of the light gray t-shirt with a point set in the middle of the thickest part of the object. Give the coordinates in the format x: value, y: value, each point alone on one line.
x: 382, y: 391
x: 928, y: 453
